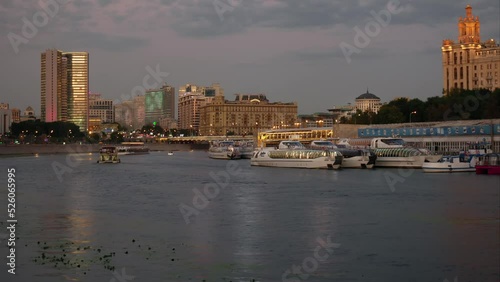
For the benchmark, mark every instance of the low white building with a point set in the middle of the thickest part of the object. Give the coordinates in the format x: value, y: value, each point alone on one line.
x: 368, y: 102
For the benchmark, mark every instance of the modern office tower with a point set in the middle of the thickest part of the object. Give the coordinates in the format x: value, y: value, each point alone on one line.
x: 159, y: 104
x: 119, y: 117
x: 470, y: 63
x: 191, y: 98
x: 54, y: 88
x: 124, y: 114
x: 139, y: 111
x: 78, y: 88
x: 65, y: 87
x: 247, y: 114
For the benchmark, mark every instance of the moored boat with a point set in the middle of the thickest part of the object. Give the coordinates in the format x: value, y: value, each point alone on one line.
x: 108, y: 155
x: 132, y: 148
x: 223, y: 150
x: 488, y: 164
x: 246, y: 149
x: 292, y: 154
x: 460, y: 163
x: 353, y: 158
x: 392, y: 152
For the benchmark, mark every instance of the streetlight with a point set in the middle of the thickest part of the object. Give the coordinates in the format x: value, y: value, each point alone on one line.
x: 414, y: 112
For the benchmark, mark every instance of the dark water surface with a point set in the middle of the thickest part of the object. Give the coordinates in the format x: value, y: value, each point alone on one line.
x: 123, y: 222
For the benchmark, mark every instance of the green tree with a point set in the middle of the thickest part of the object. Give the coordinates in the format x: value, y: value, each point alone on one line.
x: 116, y: 137
x: 94, y: 138
x: 155, y: 129
x: 390, y: 114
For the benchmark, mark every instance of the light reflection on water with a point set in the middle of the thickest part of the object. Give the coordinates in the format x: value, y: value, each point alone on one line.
x: 266, y: 220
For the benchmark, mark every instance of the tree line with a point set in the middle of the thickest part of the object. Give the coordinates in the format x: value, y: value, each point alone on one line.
x: 459, y: 104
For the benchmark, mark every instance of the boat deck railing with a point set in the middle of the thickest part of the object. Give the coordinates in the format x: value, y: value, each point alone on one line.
x: 302, y: 154
x: 398, y: 152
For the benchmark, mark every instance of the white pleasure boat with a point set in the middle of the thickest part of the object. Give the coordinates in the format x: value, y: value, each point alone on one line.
x: 460, y: 163
x: 392, y: 152
x: 293, y: 154
x: 223, y: 150
x: 353, y: 158
x: 132, y: 148
x: 246, y: 149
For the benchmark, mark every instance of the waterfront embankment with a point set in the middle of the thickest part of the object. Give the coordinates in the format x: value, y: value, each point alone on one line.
x: 33, y: 149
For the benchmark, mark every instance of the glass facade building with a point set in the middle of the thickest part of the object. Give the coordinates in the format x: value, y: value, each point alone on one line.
x: 159, y: 104
x: 65, y: 87
x: 78, y: 88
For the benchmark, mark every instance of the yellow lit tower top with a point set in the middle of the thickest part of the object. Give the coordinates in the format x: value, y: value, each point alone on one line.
x: 469, y: 28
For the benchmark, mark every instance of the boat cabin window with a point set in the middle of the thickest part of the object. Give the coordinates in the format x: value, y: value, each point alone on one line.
x: 393, y: 142
x: 323, y: 143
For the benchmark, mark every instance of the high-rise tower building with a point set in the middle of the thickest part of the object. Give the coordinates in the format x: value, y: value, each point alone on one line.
x: 65, y: 87
x: 470, y: 63
x: 54, y: 99
x: 78, y: 88
x: 160, y: 104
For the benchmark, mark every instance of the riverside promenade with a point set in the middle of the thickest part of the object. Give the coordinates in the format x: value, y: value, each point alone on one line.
x: 33, y: 149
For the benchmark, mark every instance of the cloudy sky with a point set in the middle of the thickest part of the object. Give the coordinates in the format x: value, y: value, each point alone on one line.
x: 290, y: 50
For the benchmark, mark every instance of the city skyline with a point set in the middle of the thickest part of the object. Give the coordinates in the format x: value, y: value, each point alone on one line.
x: 287, y: 51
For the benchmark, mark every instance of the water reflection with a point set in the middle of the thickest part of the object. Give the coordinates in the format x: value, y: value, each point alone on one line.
x: 265, y: 221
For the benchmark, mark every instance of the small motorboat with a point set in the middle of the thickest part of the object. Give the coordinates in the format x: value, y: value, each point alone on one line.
x: 170, y: 153
x: 108, y: 155
x: 462, y: 163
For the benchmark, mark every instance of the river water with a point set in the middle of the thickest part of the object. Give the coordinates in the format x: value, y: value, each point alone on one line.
x: 190, y: 218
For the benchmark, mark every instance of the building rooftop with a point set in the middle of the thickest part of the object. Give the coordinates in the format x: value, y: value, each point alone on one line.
x: 250, y: 97
x: 367, y: 95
